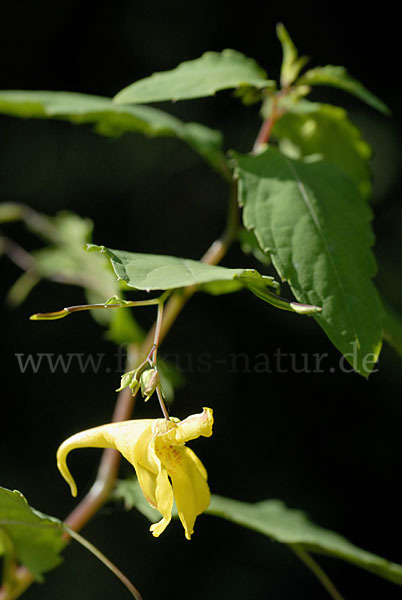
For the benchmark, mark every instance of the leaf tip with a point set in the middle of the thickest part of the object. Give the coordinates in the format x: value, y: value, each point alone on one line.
x: 51, y: 316
x: 279, y: 28
x: 305, y: 309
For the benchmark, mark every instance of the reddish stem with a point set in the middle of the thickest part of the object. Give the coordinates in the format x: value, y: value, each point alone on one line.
x: 109, y: 464
x: 264, y: 134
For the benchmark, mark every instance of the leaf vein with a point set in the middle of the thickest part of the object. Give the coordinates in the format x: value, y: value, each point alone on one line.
x: 304, y: 193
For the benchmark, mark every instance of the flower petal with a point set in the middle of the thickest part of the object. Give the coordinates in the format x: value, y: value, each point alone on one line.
x: 104, y: 436
x: 189, y: 481
x: 192, y: 428
x: 164, y: 498
x: 190, y: 490
x: 152, y: 477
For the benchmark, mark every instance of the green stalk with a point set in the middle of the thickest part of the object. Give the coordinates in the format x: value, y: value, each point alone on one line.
x: 315, y: 568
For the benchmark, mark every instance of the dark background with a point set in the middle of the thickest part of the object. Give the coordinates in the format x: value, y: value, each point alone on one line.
x: 328, y: 443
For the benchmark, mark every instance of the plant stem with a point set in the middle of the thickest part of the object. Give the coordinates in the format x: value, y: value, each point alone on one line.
x: 109, y: 464
x: 92, y: 501
x: 317, y: 570
x: 22, y: 580
x: 266, y: 128
x: 162, y: 403
x: 9, y: 562
x: 212, y: 256
x: 158, y: 325
x: 60, y: 314
x: 108, y: 563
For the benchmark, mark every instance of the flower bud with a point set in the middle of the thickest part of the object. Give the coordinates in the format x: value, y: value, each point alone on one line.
x: 129, y: 380
x: 149, y: 382
x: 125, y: 381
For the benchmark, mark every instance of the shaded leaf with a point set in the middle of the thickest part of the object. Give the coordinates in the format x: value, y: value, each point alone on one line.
x: 273, y: 519
x: 336, y: 76
x: 36, y: 538
x: 313, y: 222
x: 111, y: 119
x: 280, y: 523
x: 198, y: 78
x: 21, y: 288
x: 65, y: 259
x: 326, y: 131
x: 250, y: 95
x: 249, y: 245
x: 130, y: 492
x: 123, y: 328
x: 171, y: 378
x: 10, y: 211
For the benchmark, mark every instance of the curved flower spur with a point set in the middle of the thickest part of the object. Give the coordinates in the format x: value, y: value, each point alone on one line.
x: 165, y: 467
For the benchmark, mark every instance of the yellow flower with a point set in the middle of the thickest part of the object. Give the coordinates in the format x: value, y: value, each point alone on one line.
x: 156, y: 449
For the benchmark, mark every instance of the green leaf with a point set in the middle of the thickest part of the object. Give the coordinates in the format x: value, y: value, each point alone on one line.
x: 336, y: 76
x: 66, y: 260
x: 123, y: 328
x: 113, y: 120
x: 291, y: 63
x: 130, y: 492
x: 36, y: 539
x: 312, y: 220
x: 159, y: 272
x: 10, y: 211
x: 273, y: 519
x: 250, y: 95
x: 393, y: 328
x: 212, y: 72
x: 249, y: 245
x: 171, y: 379
x: 326, y: 131
x: 21, y: 288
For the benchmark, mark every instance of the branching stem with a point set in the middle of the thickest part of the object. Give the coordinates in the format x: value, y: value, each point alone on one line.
x: 109, y: 464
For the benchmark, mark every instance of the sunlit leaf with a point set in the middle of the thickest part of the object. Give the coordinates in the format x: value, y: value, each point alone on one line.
x: 311, y: 219
x: 336, y: 76
x: 291, y: 62
x: 160, y: 272
x: 204, y: 76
